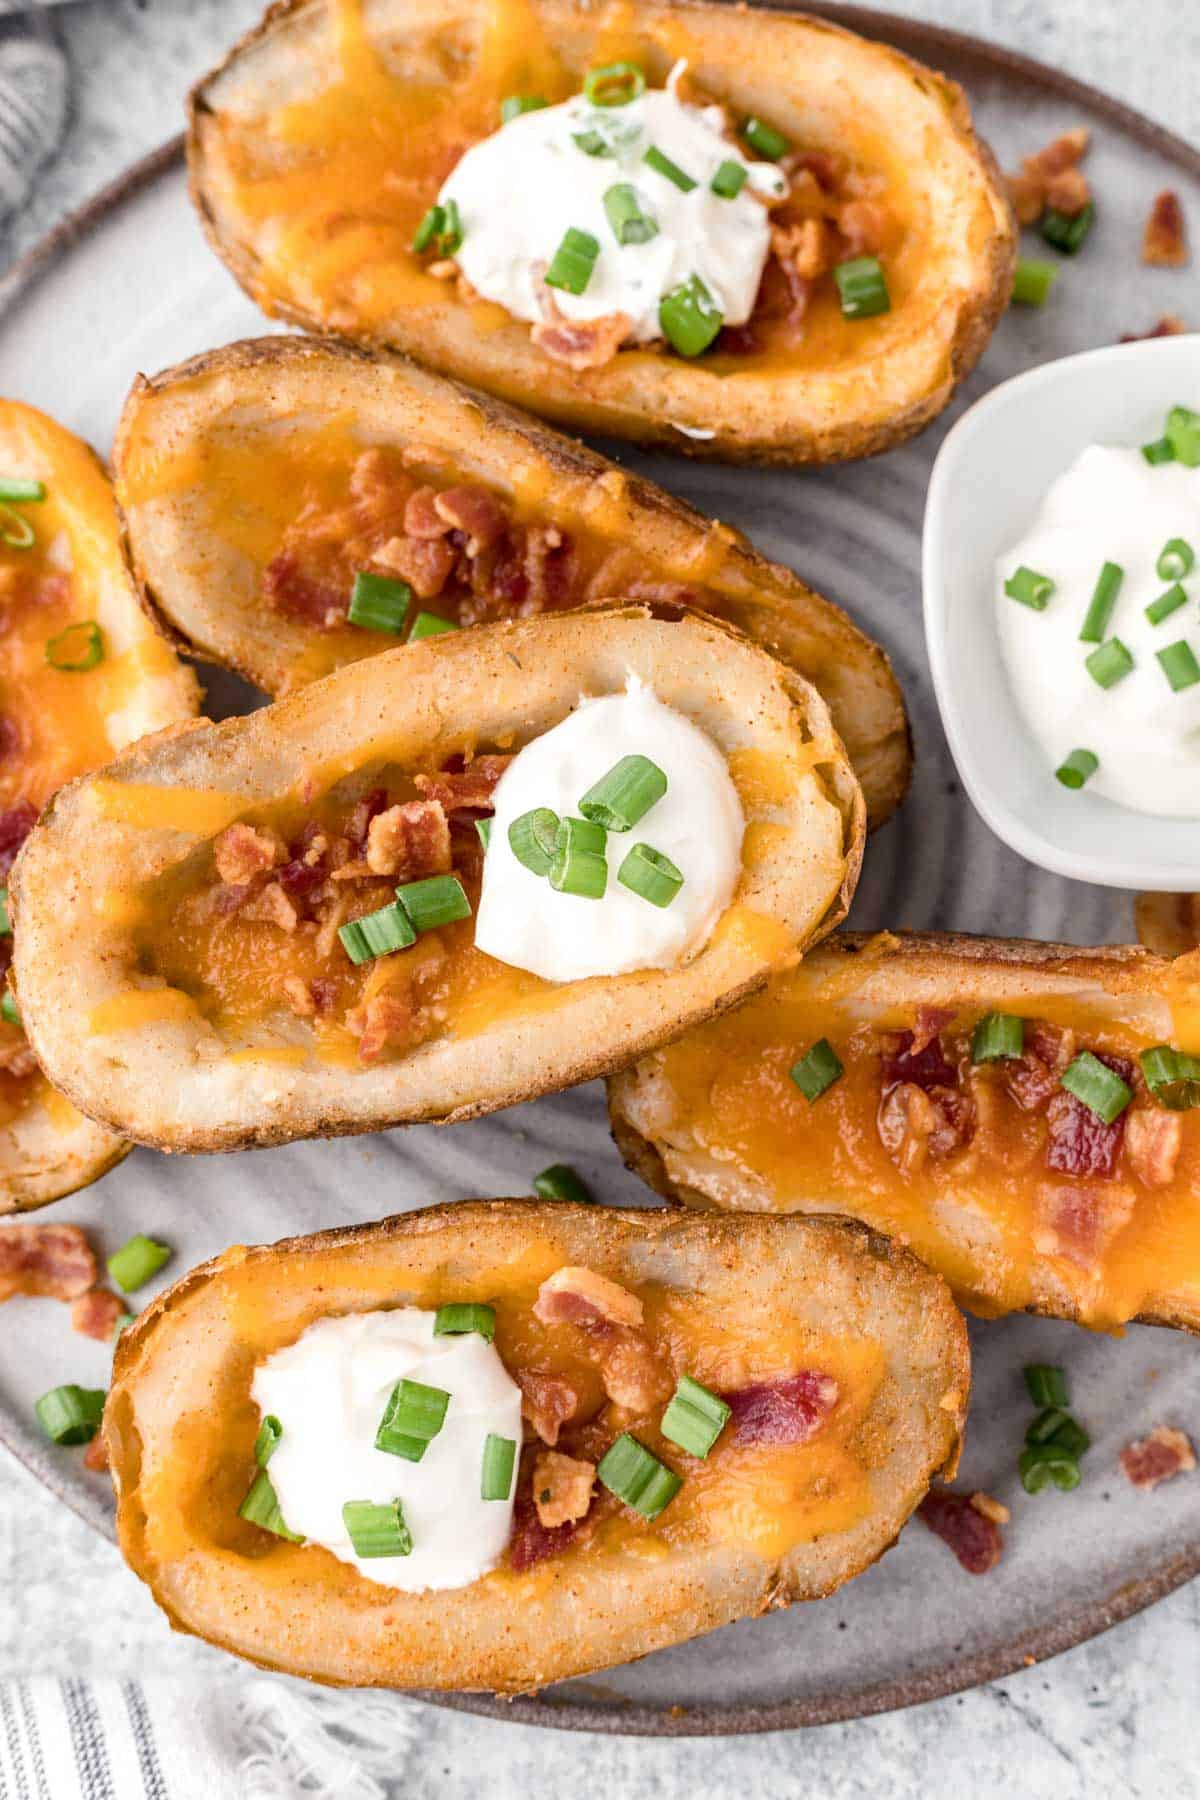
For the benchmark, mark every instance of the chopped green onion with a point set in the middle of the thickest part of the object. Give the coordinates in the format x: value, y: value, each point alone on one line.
x: 439, y: 900
x: 765, y: 139
x: 1175, y: 560
x: 1166, y: 604
x: 560, y: 1182
x: 1172, y: 1076
x: 1100, y: 608
x: 862, y: 287
x: 997, y: 1036
x: 1046, y: 1424
x: 132, y: 1266
x: 1067, y: 232
x: 427, y: 624
x: 5, y: 915
x: 1054, y: 1426
x: 9, y: 1009
x: 377, y: 1530
x: 817, y: 1070
x: 123, y: 1319
x: 670, y: 171
x: 430, y: 228
x: 607, y: 135
x: 1183, y: 434
x: 1160, y: 451
x: 576, y: 871
x: 484, y: 829
x: 1179, y: 665
x: 628, y: 1470
x: 1109, y: 664
x: 16, y: 531
x: 1030, y: 588
x: 499, y: 1461
x: 1099, y: 1088
x: 572, y: 263
x: 729, y: 180
x: 1032, y: 281
x: 580, y: 834
x: 411, y: 1419
x: 70, y: 1414
x: 267, y: 1441
x: 441, y: 229
x: 516, y: 104
x: 77, y: 649
x: 623, y: 797
x: 261, y: 1507
x: 1047, y: 1384
x: 13, y: 487
x: 650, y: 875
x: 1043, y: 1463
x: 377, y: 934
x: 593, y: 142
x: 689, y: 317
x: 465, y: 1318
x: 533, y: 839
x: 614, y: 84
x: 630, y: 225
x: 379, y: 603
x: 695, y: 1417
x: 1077, y: 768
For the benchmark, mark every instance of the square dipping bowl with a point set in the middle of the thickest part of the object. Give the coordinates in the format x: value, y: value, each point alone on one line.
x: 986, y: 490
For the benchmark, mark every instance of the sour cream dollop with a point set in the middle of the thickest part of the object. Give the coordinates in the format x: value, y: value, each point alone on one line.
x: 698, y: 824
x: 521, y: 189
x: 329, y: 1390
x: 1110, y: 506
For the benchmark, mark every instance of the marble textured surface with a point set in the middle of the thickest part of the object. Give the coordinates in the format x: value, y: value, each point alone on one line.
x: 1115, y: 1716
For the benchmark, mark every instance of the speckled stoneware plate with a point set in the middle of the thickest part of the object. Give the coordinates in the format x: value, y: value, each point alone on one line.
x: 128, y: 284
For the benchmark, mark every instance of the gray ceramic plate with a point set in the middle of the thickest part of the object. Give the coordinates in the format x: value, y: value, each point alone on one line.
x: 128, y: 284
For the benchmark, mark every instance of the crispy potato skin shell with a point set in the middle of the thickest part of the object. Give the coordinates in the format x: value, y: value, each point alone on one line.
x: 582, y: 1613
x: 928, y: 967
x: 786, y: 65
x: 171, y: 1084
x: 208, y: 607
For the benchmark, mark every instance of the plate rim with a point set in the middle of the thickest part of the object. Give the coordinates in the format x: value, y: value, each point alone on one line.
x: 927, y: 40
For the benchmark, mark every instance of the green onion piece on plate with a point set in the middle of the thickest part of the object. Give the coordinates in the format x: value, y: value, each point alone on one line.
x: 499, y: 1461
x: 132, y: 1266
x: 1179, y: 665
x: 997, y: 1036
x: 9, y: 1010
x: 412, y: 1418
x: 817, y: 1070
x: 1172, y: 1077
x: 1160, y: 451
x: 1109, y: 664
x: 572, y: 263
x: 695, y: 1417
x: 1054, y: 1426
x: 377, y: 1530
x: 1043, y: 1464
x: 377, y: 934
x: 862, y: 287
x: 465, y: 1318
x: 70, y: 1414
x: 1047, y: 1384
x: 267, y: 1441
x: 1099, y: 1088
x: 670, y: 171
x: 439, y: 900
x: 650, y: 875
x: 1175, y: 560
x: 427, y: 624
x: 533, y: 839
x: 1100, y: 608
x: 516, y: 104
x: 379, y: 603
x: 614, y: 84
x: 1077, y: 768
x: 729, y: 180
x: 623, y: 209
x: 1032, y: 281
x: 1067, y: 232
x: 1183, y: 434
x: 77, y: 649
x: 1030, y: 588
x: 5, y: 915
x: 484, y: 829
x: 14, y: 487
x: 560, y: 1182
x: 1046, y: 1424
x: 764, y: 140
x: 623, y: 797
x: 1166, y: 604
x: 628, y: 1470
x: 689, y: 317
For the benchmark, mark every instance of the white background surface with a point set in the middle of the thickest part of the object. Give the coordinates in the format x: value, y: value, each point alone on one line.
x: 1117, y: 1716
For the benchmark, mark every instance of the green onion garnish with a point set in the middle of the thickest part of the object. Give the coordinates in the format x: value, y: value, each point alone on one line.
x: 817, y: 1070
x: 1054, y: 1426
x: 379, y: 603
x: 1160, y: 451
x: 623, y: 797
x: 427, y: 624
x: 132, y: 1266
x: 670, y: 171
x: 862, y: 287
x: 16, y: 531
x: 1043, y: 1463
x: 5, y: 916
x: 267, y: 1441
x: 441, y: 229
x: 1172, y: 1076
x: 1064, y: 232
x: 630, y: 225
x: 689, y: 317
x: 580, y: 866
x: 516, y: 104
x: 1077, y: 768
x: 377, y: 1530
x: 439, y: 900
x: 560, y: 1182
x: 261, y: 1507
x: 1099, y: 1088
x: 377, y: 934
x: 607, y: 135
x: 1175, y: 560
x: 430, y: 227
x: 484, y: 829
x: 70, y: 1414
x: 1179, y: 665
x: 1047, y: 1384
x: 1030, y: 588
x: 411, y: 1419
x: 13, y: 487
x: 1046, y: 1424
x: 9, y: 1009
x: 1109, y: 664
x: 1183, y: 434
x: 765, y: 139
x: 77, y: 649
x: 998, y: 1035
x: 650, y: 875
x: 572, y: 263
x: 1100, y: 608
x: 729, y: 180
x: 695, y: 1417
x: 1166, y: 604
x: 580, y: 834
x: 465, y: 1318
x: 533, y: 839
x: 1032, y: 281
x: 628, y: 1470
x: 499, y: 1461
x: 614, y: 84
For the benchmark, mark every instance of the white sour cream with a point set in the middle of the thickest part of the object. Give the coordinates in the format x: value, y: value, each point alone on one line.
x: 1110, y: 506
x: 698, y: 824
x: 519, y: 191
x: 329, y: 1390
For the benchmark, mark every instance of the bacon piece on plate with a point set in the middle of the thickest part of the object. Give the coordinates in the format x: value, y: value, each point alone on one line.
x: 548, y: 1401
x: 95, y: 1314
x: 410, y: 841
x: 1164, y: 244
x: 578, y: 1296
x: 782, y: 1412
x: 968, y: 1524
x: 465, y: 790
x: 53, y: 1260
x: 1079, y: 1220
x: 1166, y: 325
x: 531, y: 1541
x: 1163, y: 1454
x: 562, y: 1488
x: 1080, y: 1143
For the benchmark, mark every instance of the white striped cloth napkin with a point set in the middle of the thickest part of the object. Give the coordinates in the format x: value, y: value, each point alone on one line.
x: 34, y: 92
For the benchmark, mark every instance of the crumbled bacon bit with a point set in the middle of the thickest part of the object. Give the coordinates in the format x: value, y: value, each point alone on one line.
x: 425, y: 563
x: 927, y: 1026
x: 475, y: 512
x: 1164, y: 244
x: 562, y: 1488
x: 548, y: 1401
x: 1027, y: 193
x: 95, y: 1457
x: 367, y: 807
x: 298, y: 996
x: 272, y: 907
x: 915, y: 1124
x: 421, y: 516
x: 991, y: 1509
x: 1166, y: 325
x: 469, y: 789
x: 15, y: 826
x: 382, y: 1021
x: 243, y: 851
x: 531, y: 1542
x: 409, y: 841
x: 1080, y: 1143
x: 1078, y: 1222
x: 52, y: 1260
x: 805, y: 247
x: 1153, y: 1139
x: 579, y: 1296
x: 635, y: 1376
x: 1068, y: 192
x: 290, y: 590
x: 95, y: 1314
x: 1051, y: 171
x: 921, y: 1060
x: 1158, y: 1457
x: 863, y: 224
x: 1063, y: 152
x: 580, y: 344
x: 969, y: 1530
x: 782, y: 1412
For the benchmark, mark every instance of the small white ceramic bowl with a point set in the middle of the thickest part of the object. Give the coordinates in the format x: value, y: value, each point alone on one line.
x: 986, y: 488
